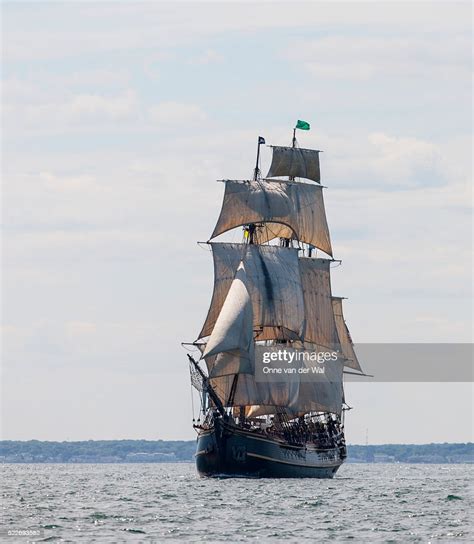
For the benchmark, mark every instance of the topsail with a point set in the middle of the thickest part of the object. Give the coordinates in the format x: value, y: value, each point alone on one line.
x: 320, y: 324
x: 286, y: 209
x: 295, y: 163
x: 273, y: 283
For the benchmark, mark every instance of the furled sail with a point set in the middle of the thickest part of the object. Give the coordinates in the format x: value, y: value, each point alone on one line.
x: 274, y: 284
x: 345, y: 340
x: 295, y: 163
x: 287, y: 209
x: 320, y: 326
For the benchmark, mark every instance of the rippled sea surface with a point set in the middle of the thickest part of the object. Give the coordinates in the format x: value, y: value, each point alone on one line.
x: 169, y: 502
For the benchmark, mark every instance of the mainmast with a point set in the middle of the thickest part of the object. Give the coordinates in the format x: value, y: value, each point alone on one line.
x: 285, y: 242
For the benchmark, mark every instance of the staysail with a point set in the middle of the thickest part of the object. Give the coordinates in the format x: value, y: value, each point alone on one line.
x: 233, y: 331
x: 287, y: 209
x: 295, y: 163
x: 347, y: 347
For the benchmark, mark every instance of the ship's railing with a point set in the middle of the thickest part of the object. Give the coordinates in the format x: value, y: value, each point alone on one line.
x: 301, y: 433
x: 322, y: 432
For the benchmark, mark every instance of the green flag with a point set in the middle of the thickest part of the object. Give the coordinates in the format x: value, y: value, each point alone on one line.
x: 303, y: 125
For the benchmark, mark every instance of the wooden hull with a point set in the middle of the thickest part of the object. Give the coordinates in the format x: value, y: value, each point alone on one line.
x: 229, y: 451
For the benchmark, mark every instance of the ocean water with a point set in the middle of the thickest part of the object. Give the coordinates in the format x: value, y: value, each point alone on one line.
x: 169, y: 502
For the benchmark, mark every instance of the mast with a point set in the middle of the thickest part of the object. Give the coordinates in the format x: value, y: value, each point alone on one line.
x: 285, y: 242
x: 256, y: 172
x: 293, y: 145
x: 251, y: 227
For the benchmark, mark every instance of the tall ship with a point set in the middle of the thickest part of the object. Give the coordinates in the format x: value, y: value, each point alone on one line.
x: 269, y: 361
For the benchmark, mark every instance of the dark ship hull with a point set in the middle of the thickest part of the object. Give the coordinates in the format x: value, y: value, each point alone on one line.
x: 226, y: 450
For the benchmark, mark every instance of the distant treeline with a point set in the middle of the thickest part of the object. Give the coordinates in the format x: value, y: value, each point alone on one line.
x: 412, y: 453
x: 97, y: 451
x: 162, y: 451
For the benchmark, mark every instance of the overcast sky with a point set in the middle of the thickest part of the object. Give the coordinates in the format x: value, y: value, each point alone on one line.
x: 119, y: 117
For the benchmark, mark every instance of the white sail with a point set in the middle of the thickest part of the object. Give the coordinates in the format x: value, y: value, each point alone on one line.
x: 226, y: 363
x: 299, y: 393
x: 273, y: 282
x: 229, y: 363
x: 287, y: 209
x: 226, y: 259
x: 295, y: 162
x: 249, y: 392
x: 345, y: 340
x: 320, y: 323
x: 326, y: 394
x: 318, y: 391
x: 233, y: 331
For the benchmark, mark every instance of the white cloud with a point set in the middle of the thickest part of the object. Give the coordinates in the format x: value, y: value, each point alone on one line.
x: 363, y: 57
x: 92, y: 105
x: 176, y: 112
x: 405, y: 161
x: 75, y: 109
x: 64, y: 30
x: 81, y: 342
x: 209, y: 56
x: 80, y: 329
x: 16, y: 89
x: 107, y: 76
x: 391, y: 162
x: 344, y: 70
x: 66, y: 183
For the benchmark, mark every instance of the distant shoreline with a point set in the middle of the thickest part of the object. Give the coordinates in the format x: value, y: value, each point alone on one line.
x: 182, y: 451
